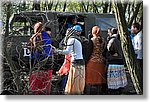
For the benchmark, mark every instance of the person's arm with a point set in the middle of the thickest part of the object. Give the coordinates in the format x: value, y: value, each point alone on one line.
x: 69, y: 47
x: 34, y: 39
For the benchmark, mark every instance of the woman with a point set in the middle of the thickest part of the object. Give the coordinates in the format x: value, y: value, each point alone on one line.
x: 76, y: 78
x: 95, y: 68
x: 65, y: 68
x: 63, y: 73
x: 116, y: 75
x: 41, y: 72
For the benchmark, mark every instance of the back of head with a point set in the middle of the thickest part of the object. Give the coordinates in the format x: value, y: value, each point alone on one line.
x: 47, y: 27
x: 96, y: 31
x: 114, y: 30
x: 136, y: 25
x: 38, y: 27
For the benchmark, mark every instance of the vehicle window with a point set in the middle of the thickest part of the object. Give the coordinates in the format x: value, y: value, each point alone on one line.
x: 106, y: 23
x: 21, y: 29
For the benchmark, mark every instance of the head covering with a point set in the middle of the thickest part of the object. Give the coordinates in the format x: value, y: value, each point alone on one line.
x: 77, y: 28
x: 96, y: 31
x: 38, y: 27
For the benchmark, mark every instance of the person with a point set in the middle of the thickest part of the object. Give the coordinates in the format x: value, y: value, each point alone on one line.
x: 65, y: 68
x: 95, y: 68
x: 63, y: 73
x: 86, y: 43
x: 73, y: 22
x: 79, y: 30
x: 41, y: 72
x: 108, y: 33
x: 116, y: 75
x: 76, y: 78
x: 138, y: 48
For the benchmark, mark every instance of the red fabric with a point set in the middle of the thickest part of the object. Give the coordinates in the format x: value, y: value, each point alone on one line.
x: 64, y: 70
x: 40, y: 82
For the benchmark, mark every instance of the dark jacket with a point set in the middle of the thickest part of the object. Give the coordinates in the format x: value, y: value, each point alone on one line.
x: 114, y: 53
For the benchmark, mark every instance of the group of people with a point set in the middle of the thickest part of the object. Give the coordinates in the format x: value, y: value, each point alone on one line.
x: 103, y: 68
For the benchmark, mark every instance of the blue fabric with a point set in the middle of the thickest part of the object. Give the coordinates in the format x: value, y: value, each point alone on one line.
x: 45, y: 41
x: 131, y: 36
x: 46, y: 49
x: 63, y: 82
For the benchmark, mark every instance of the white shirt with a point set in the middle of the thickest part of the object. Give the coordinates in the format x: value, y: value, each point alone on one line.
x: 111, y: 41
x: 74, y: 48
x: 138, y: 45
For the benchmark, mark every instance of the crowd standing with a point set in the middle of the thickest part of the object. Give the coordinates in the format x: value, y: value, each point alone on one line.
x: 101, y: 66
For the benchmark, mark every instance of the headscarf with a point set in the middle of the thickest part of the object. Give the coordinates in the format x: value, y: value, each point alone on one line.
x: 97, y: 31
x: 38, y: 27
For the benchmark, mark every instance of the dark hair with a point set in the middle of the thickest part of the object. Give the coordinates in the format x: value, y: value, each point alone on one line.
x: 109, y: 29
x: 114, y: 30
x: 136, y: 25
x: 47, y: 29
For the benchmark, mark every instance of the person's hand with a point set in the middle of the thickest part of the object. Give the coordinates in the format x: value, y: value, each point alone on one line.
x: 53, y: 49
x: 59, y: 74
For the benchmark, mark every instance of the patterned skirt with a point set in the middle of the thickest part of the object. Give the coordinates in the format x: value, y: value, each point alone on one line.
x: 40, y: 82
x: 116, y: 76
x: 76, y: 80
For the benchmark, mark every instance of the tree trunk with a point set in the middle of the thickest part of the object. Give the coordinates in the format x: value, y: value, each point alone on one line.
x: 126, y: 44
x: 84, y: 6
x: 36, y: 5
x: 65, y: 5
x: 56, y: 5
x: 95, y: 9
x: 7, y: 18
x: 110, y: 6
x: 135, y: 13
x: 105, y: 8
x: 50, y: 5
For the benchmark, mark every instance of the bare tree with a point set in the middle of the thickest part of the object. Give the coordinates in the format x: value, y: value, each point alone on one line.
x: 65, y: 5
x: 135, y: 13
x: 105, y: 7
x: 36, y: 5
x: 126, y: 44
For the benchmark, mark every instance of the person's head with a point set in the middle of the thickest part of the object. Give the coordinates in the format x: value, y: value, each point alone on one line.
x: 74, y: 21
x: 114, y: 31
x: 78, y: 29
x: 37, y: 27
x: 135, y: 28
x: 47, y: 29
x: 96, y: 31
x: 109, y: 32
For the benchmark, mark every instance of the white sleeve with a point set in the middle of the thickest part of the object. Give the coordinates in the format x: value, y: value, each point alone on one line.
x: 110, y: 43
x: 69, y: 48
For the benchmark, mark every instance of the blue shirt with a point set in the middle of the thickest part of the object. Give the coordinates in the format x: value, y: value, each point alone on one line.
x: 46, y: 40
x: 46, y: 52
